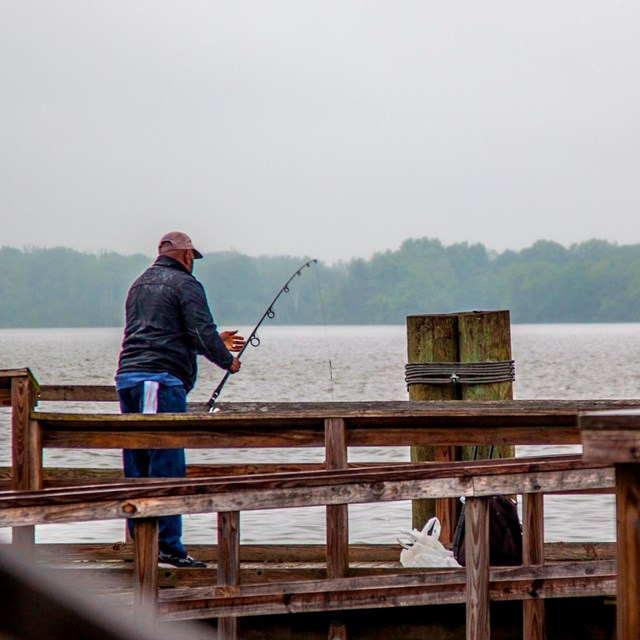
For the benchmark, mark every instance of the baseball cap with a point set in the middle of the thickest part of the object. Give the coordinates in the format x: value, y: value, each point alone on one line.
x: 177, y: 240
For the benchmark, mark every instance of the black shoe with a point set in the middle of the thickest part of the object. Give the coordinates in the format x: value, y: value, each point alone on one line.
x: 168, y: 561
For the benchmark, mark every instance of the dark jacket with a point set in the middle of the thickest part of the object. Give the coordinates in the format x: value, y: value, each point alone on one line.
x: 168, y: 322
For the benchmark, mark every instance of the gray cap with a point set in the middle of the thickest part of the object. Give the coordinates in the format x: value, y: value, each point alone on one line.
x: 176, y: 240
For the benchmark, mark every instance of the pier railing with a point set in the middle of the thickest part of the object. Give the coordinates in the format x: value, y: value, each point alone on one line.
x: 334, y: 426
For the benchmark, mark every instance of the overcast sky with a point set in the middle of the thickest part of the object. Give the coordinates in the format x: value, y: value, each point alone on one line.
x: 329, y: 129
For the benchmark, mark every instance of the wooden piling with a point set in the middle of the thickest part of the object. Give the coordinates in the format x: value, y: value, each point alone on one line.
x: 433, y: 338
x: 478, y: 336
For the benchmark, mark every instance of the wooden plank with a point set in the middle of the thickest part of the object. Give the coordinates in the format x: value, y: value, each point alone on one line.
x: 628, y: 526
x: 287, y: 554
x: 145, y: 570
x: 531, y: 412
x: 432, y: 587
x: 170, y: 439
x: 512, y: 576
x: 284, y: 490
x: 615, y: 419
x: 611, y: 446
x: 477, y: 566
x: 337, y: 516
x: 268, y: 411
x: 533, y: 611
x: 77, y: 393
x: 390, y: 435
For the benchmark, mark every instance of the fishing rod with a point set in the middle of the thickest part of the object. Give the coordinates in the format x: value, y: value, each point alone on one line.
x: 253, y: 339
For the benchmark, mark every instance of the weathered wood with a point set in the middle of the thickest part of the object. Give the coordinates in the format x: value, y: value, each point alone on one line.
x: 228, y: 548
x: 424, y: 577
x: 388, y: 424
x: 628, y: 517
x: 392, y: 435
x: 533, y: 615
x: 289, y: 554
x: 458, y: 337
x: 7, y: 376
x: 26, y: 451
x: 227, y: 628
x: 412, y: 589
x: 5, y: 397
x: 337, y: 516
x: 77, y: 393
x: 228, y: 565
x: 395, y: 482
x: 145, y: 570
x: 477, y: 565
x: 485, y: 336
x: 433, y: 338
x: 621, y: 446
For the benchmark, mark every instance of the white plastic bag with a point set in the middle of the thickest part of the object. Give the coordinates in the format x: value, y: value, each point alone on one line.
x: 424, y: 549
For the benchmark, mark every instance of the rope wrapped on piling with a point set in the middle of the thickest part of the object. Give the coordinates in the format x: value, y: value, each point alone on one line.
x: 460, y: 372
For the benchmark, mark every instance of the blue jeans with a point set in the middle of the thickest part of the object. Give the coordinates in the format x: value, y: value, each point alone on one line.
x: 157, y: 463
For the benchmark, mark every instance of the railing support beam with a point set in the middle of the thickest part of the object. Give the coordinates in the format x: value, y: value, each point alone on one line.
x: 337, y: 516
x: 477, y: 563
x: 145, y: 570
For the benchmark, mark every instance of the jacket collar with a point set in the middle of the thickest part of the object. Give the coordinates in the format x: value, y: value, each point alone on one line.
x: 172, y: 263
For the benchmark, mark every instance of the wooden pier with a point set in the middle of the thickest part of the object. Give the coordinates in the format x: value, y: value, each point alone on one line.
x: 348, y: 579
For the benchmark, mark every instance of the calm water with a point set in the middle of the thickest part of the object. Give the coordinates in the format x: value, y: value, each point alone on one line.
x: 367, y: 363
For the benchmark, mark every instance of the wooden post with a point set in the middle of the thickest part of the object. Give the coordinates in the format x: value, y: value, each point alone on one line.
x: 26, y: 450
x: 228, y: 565
x: 337, y: 516
x: 533, y: 614
x: 614, y: 437
x: 477, y: 566
x: 433, y: 338
x: 628, y: 516
x: 145, y: 570
x: 477, y: 336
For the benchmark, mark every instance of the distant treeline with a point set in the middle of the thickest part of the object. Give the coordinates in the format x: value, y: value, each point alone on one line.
x: 595, y: 281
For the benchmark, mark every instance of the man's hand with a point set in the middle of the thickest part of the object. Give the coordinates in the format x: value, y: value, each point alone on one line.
x: 233, y: 342
x: 235, y: 366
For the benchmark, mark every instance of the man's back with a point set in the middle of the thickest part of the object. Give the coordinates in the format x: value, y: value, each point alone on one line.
x: 168, y: 322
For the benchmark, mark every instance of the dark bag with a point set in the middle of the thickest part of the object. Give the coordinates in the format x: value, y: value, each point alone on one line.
x: 505, y: 534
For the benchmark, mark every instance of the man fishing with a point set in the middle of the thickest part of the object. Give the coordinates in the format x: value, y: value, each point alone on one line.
x: 168, y: 322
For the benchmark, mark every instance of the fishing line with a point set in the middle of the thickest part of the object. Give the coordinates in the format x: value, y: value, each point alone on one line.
x: 326, y: 335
